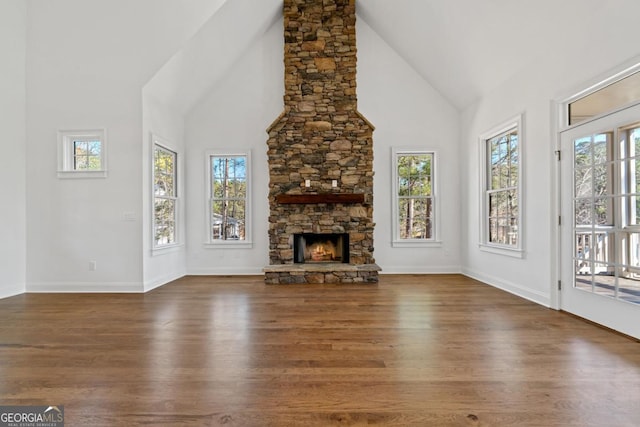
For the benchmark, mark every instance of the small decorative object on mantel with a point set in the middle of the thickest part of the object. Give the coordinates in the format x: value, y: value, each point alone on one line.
x: 320, y: 198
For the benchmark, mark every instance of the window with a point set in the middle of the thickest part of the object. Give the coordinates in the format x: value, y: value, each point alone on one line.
x: 606, y: 206
x: 165, y: 196
x: 82, y: 154
x: 228, y: 207
x: 414, y: 198
x: 501, y: 187
x: 613, y: 93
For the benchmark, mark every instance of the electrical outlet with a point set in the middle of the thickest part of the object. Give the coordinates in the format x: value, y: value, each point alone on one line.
x: 93, y: 266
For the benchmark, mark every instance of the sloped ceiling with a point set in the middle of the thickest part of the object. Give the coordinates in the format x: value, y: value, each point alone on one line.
x: 211, y: 53
x: 463, y: 48
x: 466, y: 48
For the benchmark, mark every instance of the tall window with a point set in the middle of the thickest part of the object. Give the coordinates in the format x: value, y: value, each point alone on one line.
x: 228, y: 197
x: 501, y: 212
x: 414, y: 200
x: 165, y: 192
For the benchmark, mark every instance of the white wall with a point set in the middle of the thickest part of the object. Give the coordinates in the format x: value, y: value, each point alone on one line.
x: 202, y: 63
x: 87, y: 62
x: 13, y: 125
x: 234, y: 115
x: 569, y: 65
x: 408, y: 113
x: 86, y: 65
x: 161, y: 122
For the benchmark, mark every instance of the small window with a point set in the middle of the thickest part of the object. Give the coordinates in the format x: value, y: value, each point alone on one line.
x: 414, y: 197
x: 165, y: 196
x: 607, y: 96
x: 82, y: 154
x: 502, y: 202
x: 228, y: 204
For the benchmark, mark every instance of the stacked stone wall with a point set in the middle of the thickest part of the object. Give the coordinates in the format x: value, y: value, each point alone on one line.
x: 320, y: 138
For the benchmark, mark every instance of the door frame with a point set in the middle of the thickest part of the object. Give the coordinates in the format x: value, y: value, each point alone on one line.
x: 559, y: 120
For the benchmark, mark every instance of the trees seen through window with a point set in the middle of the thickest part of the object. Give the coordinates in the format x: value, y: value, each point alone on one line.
x: 415, y: 201
x: 228, y: 203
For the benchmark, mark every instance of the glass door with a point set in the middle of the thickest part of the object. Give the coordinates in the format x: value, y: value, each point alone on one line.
x: 600, y: 231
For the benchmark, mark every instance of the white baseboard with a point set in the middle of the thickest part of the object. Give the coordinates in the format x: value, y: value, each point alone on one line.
x: 226, y: 271
x: 401, y: 269
x: 85, y: 287
x: 11, y: 290
x: 513, y: 288
x: 152, y: 284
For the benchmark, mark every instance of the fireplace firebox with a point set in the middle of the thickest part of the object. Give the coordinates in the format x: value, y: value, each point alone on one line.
x: 321, y: 248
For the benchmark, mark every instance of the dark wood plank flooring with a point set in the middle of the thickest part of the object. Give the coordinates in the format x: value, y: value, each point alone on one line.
x: 439, y: 350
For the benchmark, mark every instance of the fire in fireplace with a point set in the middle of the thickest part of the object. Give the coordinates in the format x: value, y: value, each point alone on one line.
x: 321, y: 248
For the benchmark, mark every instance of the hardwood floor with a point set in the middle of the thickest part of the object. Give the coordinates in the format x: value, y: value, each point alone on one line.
x: 438, y: 350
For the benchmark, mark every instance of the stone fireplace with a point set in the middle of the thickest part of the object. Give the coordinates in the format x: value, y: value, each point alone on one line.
x: 320, y: 153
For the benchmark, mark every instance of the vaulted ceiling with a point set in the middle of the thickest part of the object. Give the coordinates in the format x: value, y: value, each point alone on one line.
x: 463, y: 48
x: 466, y: 48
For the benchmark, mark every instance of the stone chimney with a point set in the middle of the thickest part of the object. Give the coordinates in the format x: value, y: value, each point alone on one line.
x: 320, y: 149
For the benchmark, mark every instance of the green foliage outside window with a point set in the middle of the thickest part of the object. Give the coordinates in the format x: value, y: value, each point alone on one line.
x: 228, y: 197
x: 87, y: 155
x: 165, y: 196
x: 415, y: 196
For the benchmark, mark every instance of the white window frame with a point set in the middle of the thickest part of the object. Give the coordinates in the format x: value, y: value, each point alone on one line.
x: 396, y: 241
x: 165, y: 145
x: 66, y: 140
x: 247, y: 243
x: 598, y: 83
x: 516, y: 251
x: 559, y: 124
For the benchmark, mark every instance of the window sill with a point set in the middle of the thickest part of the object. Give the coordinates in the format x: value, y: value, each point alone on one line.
x: 162, y: 250
x: 82, y: 174
x: 227, y: 244
x: 502, y: 250
x: 416, y: 243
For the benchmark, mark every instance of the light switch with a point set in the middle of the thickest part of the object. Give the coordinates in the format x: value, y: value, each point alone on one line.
x: 307, y: 183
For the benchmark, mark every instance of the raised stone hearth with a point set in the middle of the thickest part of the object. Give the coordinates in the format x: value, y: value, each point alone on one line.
x: 320, y: 149
x: 321, y: 273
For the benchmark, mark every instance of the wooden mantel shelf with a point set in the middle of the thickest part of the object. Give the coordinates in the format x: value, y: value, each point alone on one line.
x: 320, y: 198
